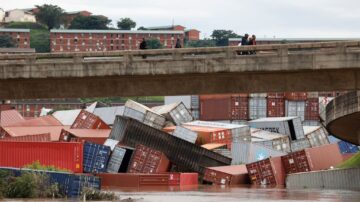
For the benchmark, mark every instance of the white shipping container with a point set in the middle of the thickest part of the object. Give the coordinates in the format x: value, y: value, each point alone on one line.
x: 185, y: 134
x: 300, y: 144
x: 154, y: 120
x: 295, y: 108
x: 243, y: 152
x: 290, y: 126
x: 137, y: 106
x: 132, y: 113
x: 317, y: 135
x: 190, y: 101
x: 257, y: 108
x: 66, y: 117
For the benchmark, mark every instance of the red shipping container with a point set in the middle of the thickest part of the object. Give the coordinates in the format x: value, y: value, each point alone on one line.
x: 183, y: 179
x: 312, y: 159
x: 227, y: 175
x: 87, y: 120
x: 46, y: 137
x: 132, y: 180
x: 215, y: 107
x: 275, y: 107
x: 147, y: 160
x: 239, y: 108
x: 312, y: 109
x: 276, y: 95
x: 83, y: 135
x: 296, y: 96
x: 67, y: 156
x: 269, y: 171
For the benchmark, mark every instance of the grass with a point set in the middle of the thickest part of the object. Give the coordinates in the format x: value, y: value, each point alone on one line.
x: 353, y: 162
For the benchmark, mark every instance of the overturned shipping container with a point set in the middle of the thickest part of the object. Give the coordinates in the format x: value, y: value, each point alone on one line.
x: 119, y: 160
x: 275, y: 141
x: 227, y: 175
x: 317, y: 135
x: 176, y: 112
x: 96, y: 157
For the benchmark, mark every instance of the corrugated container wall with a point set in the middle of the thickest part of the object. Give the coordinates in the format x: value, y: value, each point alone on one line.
x: 295, y: 108
x: 300, y: 144
x: 296, y: 96
x: 176, y: 112
x: 257, y: 107
x: 215, y: 108
x: 318, y: 137
x: 67, y: 156
x: 185, y: 134
x: 119, y: 160
x: 267, y: 172
x: 96, y: 157
x: 275, y: 107
x: 46, y: 137
x: 239, y: 107
x: 87, y: 120
x: 312, y: 109
x: 190, y: 101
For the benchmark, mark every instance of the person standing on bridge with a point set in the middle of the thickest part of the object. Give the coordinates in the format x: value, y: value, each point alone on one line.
x: 178, y: 43
x: 143, y: 46
x: 252, y: 42
x: 245, y: 42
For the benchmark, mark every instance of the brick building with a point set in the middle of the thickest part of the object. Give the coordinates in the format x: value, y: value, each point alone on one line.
x: 21, y: 36
x: 108, y: 40
x: 190, y: 34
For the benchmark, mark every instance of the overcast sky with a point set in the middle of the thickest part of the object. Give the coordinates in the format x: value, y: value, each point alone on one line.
x: 265, y: 18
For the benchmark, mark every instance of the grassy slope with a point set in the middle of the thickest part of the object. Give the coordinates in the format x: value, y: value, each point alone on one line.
x: 352, y: 162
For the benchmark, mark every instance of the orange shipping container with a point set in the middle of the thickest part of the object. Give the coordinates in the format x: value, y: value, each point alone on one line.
x: 87, y: 120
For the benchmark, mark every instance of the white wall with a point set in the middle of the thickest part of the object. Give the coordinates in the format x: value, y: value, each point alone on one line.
x: 18, y: 15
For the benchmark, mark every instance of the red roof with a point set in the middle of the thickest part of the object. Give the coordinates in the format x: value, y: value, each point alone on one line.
x: 91, y: 133
x: 29, y: 130
x: 40, y: 121
x: 10, y: 117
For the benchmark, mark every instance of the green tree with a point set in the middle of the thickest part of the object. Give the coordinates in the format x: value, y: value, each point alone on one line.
x: 142, y: 28
x: 153, y: 44
x: 90, y: 22
x: 25, y: 25
x: 200, y: 43
x: 40, y: 40
x: 221, y: 37
x: 126, y: 24
x: 6, y: 41
x: 49, y: 15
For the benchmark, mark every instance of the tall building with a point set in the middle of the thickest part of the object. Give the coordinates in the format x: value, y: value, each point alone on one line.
x: 108, y: 40
x: 21, y: 36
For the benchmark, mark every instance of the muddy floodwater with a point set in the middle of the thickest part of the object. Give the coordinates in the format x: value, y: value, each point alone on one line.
x: 225, y: 194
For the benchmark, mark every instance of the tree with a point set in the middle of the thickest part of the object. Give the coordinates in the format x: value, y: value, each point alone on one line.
x: 126, y: 24
x: 25, y: 25
x: 6, y: 41
x: 221, y: 37
x: 142, y: 28
x: 90, y: 22
x: 200, y: 43
x: 153, y: 44
x: 40, y: 40
x: 49, y: 15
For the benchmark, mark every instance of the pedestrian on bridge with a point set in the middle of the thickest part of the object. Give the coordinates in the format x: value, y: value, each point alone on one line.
x: 245, y: 42
x: 143, y: 46
x: 178, y: 43
x: 252, y: 42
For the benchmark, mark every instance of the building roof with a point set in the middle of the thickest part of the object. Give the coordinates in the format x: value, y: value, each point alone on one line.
x: 9, y: 117
x: 188, y: 30
x: 166, y: 27
x: 90, y: 133
x: 40, y: 121
x: 112, y: 31
x: 76, y: 12
x: 13, y: 30
x: 54, y: 131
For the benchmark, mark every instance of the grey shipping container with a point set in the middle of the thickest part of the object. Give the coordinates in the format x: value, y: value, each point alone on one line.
x: 175, y: 112
x: 195, y: 113
x: 295, y: 108
x: 317, y: 135
x: 258, y: 95
x: 190, y: 101
x: 131, y: 132
x: 132, y: 113
x: 243, y: 152
x: 311, y: 123
x: 185, y: 134
x: 257, y: 107
x: 276, y: 141
x: 290, y: 126
x: 154, y: 120
x: 300, y: 144
x: 326, y: 179
x: 119, y: 160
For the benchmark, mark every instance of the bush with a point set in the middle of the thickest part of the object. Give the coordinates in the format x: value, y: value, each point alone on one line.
x: 37, y: 166
x: 93, y: 194
x: 40, y: 40
x: 26, y: 25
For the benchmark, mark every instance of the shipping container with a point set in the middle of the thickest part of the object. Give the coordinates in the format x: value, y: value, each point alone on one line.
x: 311, y: 159
x: 45, y: 137
x: 311, y: 95
x: 70, y: 185
x: 175, y: 112
x: 276, y: 95
x: 147, y: 160
x: 195, y: 113
x: 247, y: 152
x: 190, y: 101
x: 258, y: 95
x: 290, y: 126
x: 119, y: 160
x: 300, y: 144
x: 323, y: 101
x: 84, y: 135
x: 108, y: 114
x: 275, y: 107
x: 311, y: 123
x: 131, y: 132
x: 346, y: 147
x: 348, y: 179
x: 225, y: 152
x: 68, y: 156
x: 215, y: 108
x: 213, y: 146
x: 269, y: 171
x: 48, y: 120
x: 239, y: 108
x: 317, y: 135
x: 96, y: 157
x: 185, y: 134
x: 67, y: 117
x: 9, y: 117
x: 296, y: 96
x: 183, y: 179
x: 133, y: 180
x: 295, y: 108
x: 87, y: 120
x: 312, y: 109
x: 257, y: 108
x: 227, y: 175
x: 275, y: 141
x: 8, y: 132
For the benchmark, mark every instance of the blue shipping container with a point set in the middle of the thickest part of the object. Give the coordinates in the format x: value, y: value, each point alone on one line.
x: 346, y: 147
x: 70, y: 185
x: 96, y: 157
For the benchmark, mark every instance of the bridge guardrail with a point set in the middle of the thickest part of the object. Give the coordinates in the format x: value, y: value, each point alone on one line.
x: 177, y: 54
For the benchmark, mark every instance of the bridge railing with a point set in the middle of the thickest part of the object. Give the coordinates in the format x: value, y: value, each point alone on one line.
x: 184, y: 53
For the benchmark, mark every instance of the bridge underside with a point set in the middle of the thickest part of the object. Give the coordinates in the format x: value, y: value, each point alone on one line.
x: 347, y: 128
x: 180, y: 84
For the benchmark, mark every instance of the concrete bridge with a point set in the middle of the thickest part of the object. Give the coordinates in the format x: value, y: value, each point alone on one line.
x: 343, y: 117
x: 292, y: 67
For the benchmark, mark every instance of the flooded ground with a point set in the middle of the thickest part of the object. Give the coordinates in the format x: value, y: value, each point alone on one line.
x: 226, y: 194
